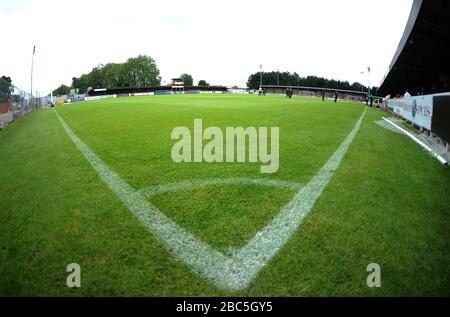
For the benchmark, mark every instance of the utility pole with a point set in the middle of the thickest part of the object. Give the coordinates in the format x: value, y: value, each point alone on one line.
x: 362, y: 86
x: 260, y: 77
x: 32, y: 64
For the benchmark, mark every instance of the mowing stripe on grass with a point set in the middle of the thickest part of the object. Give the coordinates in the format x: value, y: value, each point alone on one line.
x: 227, y: 272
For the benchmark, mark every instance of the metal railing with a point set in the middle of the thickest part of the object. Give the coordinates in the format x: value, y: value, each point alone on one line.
x: 16, y: 103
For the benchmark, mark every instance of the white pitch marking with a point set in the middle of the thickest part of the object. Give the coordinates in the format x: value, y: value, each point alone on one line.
x: 234, y: 272
x: 196, y: 183
x: 268, y: 241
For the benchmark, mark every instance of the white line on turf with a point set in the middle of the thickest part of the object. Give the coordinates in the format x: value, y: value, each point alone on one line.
x: 196, y: 183
x: 233, y: 272
x: 423, y: 145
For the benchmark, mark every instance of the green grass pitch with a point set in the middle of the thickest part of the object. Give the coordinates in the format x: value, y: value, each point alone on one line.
x: 387, y: 203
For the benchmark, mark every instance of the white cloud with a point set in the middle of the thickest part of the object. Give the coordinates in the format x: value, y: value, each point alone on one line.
x: 221, y: 42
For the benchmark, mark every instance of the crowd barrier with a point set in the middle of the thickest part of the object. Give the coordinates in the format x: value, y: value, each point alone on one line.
x: 429, y: 112
x: 16, y: 103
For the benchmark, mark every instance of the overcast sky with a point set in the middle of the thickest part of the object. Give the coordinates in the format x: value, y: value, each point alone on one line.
x: 222, y: 42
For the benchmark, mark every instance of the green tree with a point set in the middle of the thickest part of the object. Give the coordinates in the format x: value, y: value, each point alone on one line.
x: 113, y: 76
x: 187, y: 79
x: 136, y: 72
x: 288, y: 79
x: 358, y: 87
x: 96, y: 77
x: 5, y: 88
x: 82, y: 83
x: 141, y: 72
x: 62, y: 90
x: 203, y: 83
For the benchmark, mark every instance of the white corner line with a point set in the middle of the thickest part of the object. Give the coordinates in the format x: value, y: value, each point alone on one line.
x: 426, y: 147
x: 237, y: 271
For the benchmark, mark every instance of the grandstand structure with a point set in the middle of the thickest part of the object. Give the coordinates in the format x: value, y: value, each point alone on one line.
x: 421, y: 66
x: 421, y: 63
x: 316, y: 92
x: 174, y: 88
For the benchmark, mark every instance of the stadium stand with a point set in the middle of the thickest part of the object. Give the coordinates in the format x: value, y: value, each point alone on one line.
x: 316, y: 92
x: 421, y: 63
x: 156, y: 90
x: 421, y: 66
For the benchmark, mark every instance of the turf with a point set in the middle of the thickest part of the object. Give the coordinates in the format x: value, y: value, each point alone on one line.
x: 210, y: 215
x: 387, y: 203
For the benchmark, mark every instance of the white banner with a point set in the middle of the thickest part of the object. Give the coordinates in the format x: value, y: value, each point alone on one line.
x: 417, y: 109
x: 396, y: 106
x: 100, y: 97
x: 140, y: 94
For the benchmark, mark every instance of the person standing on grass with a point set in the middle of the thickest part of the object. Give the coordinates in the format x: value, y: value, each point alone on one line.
x: 335, y: 96
x: 289, y: 93
x: 323, y: 95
